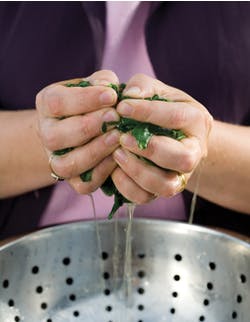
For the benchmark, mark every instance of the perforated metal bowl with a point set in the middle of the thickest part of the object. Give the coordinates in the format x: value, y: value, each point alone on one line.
x: 179, y: 273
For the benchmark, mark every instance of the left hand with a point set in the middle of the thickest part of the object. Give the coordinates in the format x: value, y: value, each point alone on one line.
x: 139, y: 181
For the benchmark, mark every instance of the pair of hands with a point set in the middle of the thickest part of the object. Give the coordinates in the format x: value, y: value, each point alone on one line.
x: 73, y: 117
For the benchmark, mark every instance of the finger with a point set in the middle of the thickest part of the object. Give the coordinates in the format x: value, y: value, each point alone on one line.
x: 142, y: 86
x: 76, y: 130
x: 129, y: 189
x: 149, y: 178
x: 59, y: 101
x: 87, y: 156
x: 103, y: 77
x: 180, y: 156
x: 182, y: 116
x: 99, y: 174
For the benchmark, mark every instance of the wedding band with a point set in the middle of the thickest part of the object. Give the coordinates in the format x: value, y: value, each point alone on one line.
x: 183, y: 181
x: 55, y: 176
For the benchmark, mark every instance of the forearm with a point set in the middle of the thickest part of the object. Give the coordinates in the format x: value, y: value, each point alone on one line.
x: 225, y: 173
x: 23, y: 162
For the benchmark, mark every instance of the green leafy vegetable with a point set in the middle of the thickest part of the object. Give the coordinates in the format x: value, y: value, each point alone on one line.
x: 62, y: 151
x: 142, y: 132
x: 86, y: 176
x: 80, y: 84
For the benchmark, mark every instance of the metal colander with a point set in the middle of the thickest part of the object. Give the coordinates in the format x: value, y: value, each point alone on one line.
x: 179, y: 273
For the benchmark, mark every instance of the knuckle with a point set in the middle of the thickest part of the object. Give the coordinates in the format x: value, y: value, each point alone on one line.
x: 81, y: 96
x: 178, y: 118
x: 168, y: 188
x: 143, y: 198
x: 85, y: 127
x: 93, y: 154
x: 146, y: 111
x: 50, y: 139
x: 64, y: 167
x: 53, y: 101
x: 188, y: 160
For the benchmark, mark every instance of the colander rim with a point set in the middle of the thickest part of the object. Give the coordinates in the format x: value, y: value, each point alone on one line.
x: 184, y: 226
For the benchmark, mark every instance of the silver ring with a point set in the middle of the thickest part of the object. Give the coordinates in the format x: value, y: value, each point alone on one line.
x: 55, y: 176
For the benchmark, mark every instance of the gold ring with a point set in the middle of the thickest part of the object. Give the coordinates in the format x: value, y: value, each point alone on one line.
x: 55, y: 176
x: 183, y: 181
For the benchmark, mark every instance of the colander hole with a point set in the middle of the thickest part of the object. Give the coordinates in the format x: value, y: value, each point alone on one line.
x: 44, y: 306
x: 210, y: 286
x: 243, y: 278
x: 174, y: 294
x: 11, y: 303
x: 39, y: 289
x: 16, y: 319
x: 35, y: 270
x: 239, y: 298
x: 140, y: 307
x: 108, y: 308
x: 141, y: 255
x: 6, y: 283
x: 206, y: 302
x: 105, y: 255
x: 177, y: 277
x: 140, y: 321
x: 172, y: 310
x: 72, y: 297
x: 202, y: 318
x: 66, y: 261
x: 141, y: 290
x: 106, y: 275
x: 212, y: 266
x: 141, y: 274
x: 76, y: 313
x: 69, y: 281
x: 107, y: 291
x: 178, y: 257
x: 234, y: 315
x: 49, y: 320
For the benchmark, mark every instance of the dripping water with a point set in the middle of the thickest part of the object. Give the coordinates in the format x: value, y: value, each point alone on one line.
x: 127, y: 273
x: 194, y: 198
x: 98, y: 242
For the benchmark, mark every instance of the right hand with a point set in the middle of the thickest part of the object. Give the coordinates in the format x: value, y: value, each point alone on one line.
x: 73, y: 117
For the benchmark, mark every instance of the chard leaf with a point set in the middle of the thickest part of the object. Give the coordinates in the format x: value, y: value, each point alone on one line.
x: 142, y: 135
x: 62, y: 151
x: 86, y: 176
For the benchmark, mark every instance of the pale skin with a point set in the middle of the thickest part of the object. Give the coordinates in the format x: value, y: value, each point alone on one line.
x: 219, y: 152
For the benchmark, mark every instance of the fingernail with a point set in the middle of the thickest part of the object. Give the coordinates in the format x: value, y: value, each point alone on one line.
x: 112, y: 138
x: 110, y: 116
x: 120, y: 155
x: 107, y: 98
x: 125, y: 109
x: 132, y: 91
x: 127, y: 140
